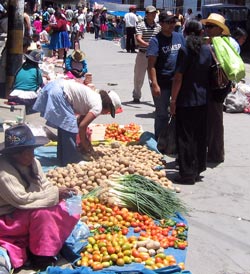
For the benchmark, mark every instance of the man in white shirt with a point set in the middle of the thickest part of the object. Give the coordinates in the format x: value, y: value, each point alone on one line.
x: 144, y: 32
x: 131, y: 20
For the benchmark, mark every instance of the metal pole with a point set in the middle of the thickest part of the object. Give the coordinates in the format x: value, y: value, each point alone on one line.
x: 14, y: 44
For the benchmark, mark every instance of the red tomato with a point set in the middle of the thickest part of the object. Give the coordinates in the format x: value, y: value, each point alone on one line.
x: 144, y: 234
x: 158, y: 260
x: 111, y: 249
x: 137, y: 229
x: 97, y: 266
x: 165, y: 232
x: 125, y: 231
x: 134, y: 224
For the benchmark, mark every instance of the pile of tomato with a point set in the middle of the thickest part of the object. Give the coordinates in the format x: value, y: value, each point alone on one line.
x: 128, y: 133
x: 110, y: 243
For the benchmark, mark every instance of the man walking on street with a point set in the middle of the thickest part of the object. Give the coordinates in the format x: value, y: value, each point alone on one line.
x: 131, y: 20
x: 145, y: 30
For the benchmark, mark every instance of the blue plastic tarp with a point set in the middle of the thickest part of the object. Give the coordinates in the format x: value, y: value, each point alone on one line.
x: 122, y: 13
x: 48, y: 160
x: 47, y: 157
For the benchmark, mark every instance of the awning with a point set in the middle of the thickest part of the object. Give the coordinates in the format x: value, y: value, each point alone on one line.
x: 122, y: 13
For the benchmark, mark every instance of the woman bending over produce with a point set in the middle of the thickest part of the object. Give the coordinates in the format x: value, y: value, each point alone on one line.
x: 34, y: 222
x: 59, y: 103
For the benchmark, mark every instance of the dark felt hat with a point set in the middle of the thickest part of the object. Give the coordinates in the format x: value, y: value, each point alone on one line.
x: 19, y: 137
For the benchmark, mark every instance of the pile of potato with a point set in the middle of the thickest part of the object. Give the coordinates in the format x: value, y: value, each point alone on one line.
x: 107, y: 161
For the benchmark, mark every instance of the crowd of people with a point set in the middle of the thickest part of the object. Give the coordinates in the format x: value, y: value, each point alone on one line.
x: 174, y: 50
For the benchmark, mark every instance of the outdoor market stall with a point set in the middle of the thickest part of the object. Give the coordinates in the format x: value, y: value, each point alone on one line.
x: 132, y: 211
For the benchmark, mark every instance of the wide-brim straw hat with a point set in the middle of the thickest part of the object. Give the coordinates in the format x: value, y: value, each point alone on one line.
x: 20, y: 137
x: 218, y: 20
x: 78, y: 55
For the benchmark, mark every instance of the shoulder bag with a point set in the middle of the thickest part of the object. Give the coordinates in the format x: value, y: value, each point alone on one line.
x: 219, y: 79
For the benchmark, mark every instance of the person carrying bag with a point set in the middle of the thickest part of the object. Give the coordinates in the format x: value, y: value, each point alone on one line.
x: 219, y: 82
x: 229, y: 58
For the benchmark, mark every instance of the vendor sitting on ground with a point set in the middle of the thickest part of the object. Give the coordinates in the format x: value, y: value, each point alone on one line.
x: 75, y: 64
x: 34, y: 221
x: 28, y: 81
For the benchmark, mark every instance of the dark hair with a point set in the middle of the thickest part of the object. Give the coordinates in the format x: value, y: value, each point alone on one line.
x: 58, y: 14
x: 106, y: 101
x: 35, y: 35
x: 238, y: 33
x: 194, y: 41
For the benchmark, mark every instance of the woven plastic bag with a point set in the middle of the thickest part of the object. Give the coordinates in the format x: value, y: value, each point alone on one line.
x: 236, y: 102
x: 229, y: 58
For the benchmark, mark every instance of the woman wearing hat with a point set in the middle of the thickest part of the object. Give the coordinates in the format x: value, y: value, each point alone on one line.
x: 76, y: 64
x: 27, y: 81
x: 215, y: 26
x: 59, y: 103
x: 34, y: 221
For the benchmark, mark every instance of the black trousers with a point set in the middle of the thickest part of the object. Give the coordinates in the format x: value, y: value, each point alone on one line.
x: 215, y: 136
x: 191, y: 134
x: 130, y: 42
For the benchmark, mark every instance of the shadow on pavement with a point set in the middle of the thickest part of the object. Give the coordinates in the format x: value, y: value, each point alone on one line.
x: 131, y: 103
x: 146, y: 115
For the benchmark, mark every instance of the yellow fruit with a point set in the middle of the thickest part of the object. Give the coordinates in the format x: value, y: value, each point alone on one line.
x: 127, y: 260
x: 91, y: 240
x: 113, y: 257
x: 120, y: 262
x: 126, y: 246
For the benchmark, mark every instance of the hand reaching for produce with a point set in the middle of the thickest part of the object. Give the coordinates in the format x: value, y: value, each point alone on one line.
x: 66, y: 192
x: 86, y: 148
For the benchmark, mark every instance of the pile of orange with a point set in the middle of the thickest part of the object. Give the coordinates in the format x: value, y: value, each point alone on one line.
x: 128, y: 133
x: 108, y: 246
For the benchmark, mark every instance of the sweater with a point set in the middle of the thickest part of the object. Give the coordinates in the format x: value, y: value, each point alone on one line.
x: 21, y: 190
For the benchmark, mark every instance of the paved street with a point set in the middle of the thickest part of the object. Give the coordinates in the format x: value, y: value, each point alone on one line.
x: 219, y: 216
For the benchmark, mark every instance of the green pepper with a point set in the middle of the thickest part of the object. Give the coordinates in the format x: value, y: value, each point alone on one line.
x: 170, y: 222
x: 181, y: 236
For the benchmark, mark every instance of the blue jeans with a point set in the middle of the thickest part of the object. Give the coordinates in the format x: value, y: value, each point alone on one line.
x: 161, y: 110
x: 67, y: 152
x: 97, y: 30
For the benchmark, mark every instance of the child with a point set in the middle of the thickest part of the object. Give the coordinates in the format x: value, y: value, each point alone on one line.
x: 36, y: 40
x: 38, y: 24
x: 75, y: 33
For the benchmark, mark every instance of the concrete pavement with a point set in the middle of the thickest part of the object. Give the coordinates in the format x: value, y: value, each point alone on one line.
x: 219, y: 218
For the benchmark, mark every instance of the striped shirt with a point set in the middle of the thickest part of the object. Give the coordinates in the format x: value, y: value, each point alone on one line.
x: 147, y: 32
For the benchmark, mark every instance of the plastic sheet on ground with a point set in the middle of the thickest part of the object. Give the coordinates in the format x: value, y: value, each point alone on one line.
x: 47, y: 157
x: 134, y: 268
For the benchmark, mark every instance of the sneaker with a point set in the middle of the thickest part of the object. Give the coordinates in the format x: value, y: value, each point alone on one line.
x: 136, y: 101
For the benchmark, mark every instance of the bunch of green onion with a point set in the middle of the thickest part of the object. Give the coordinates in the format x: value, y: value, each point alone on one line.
x: 140, y: 194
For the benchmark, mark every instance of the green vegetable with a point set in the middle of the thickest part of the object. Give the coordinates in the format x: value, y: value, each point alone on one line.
x: 142, y: 195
